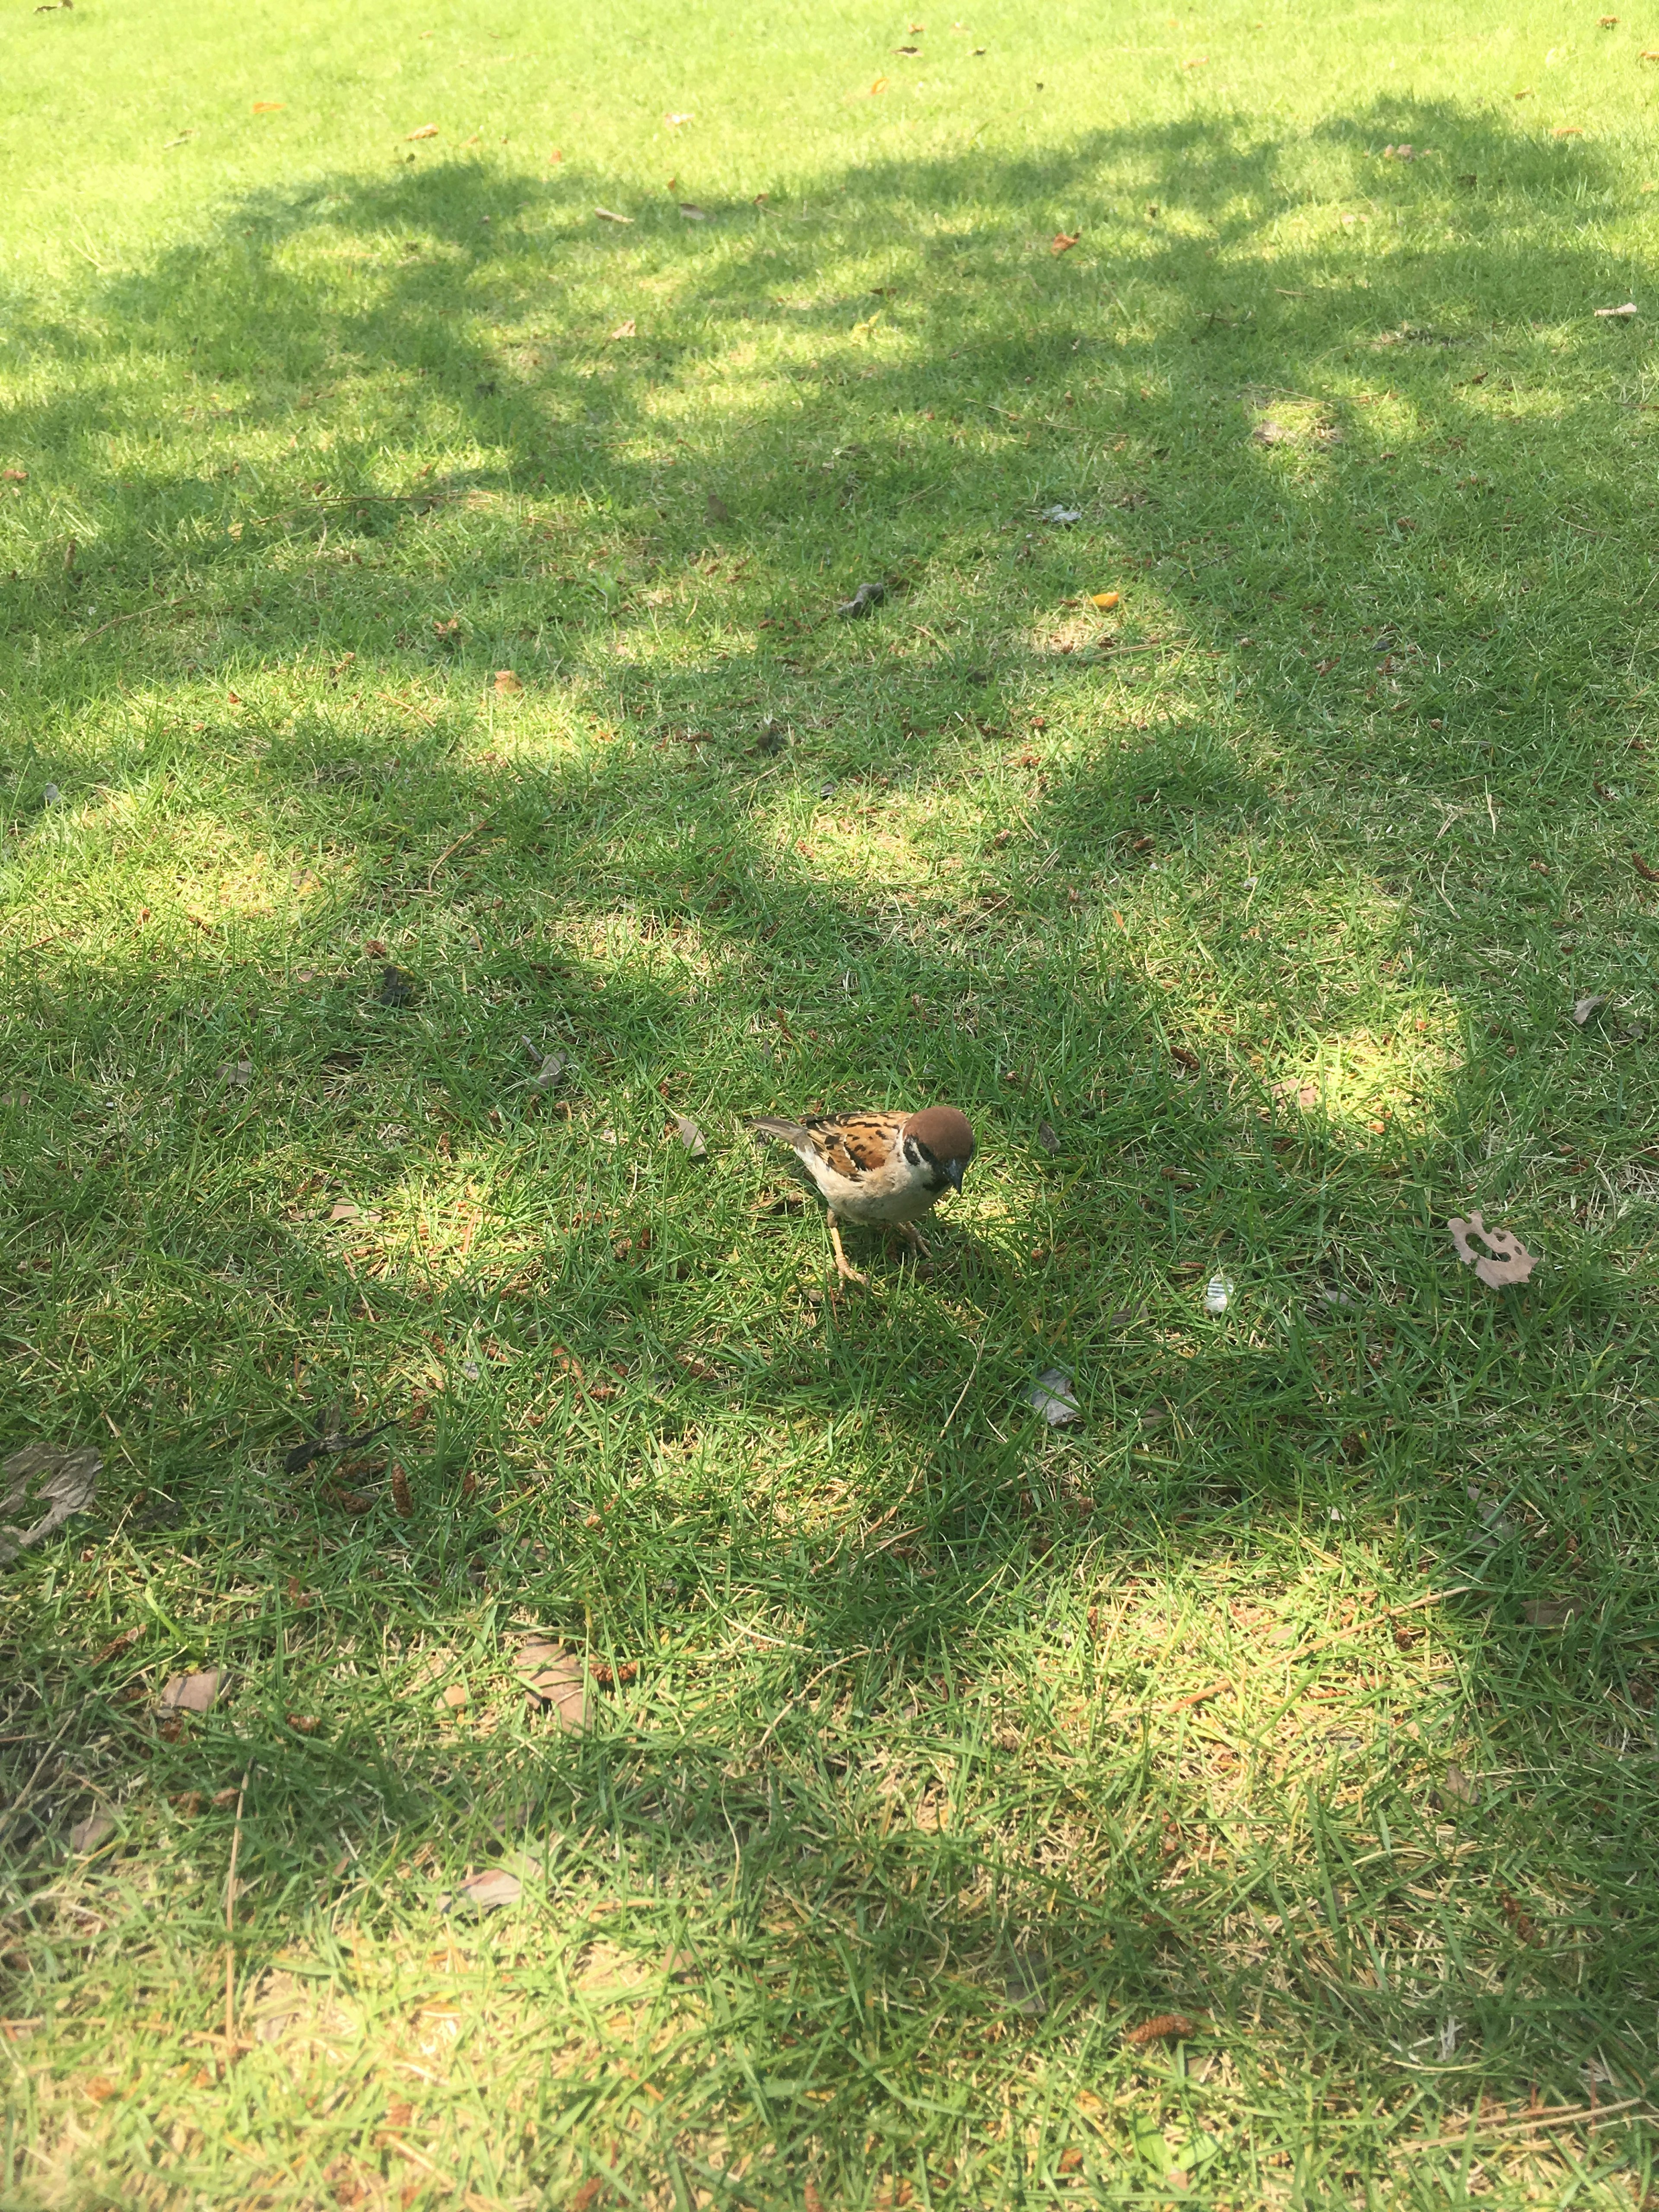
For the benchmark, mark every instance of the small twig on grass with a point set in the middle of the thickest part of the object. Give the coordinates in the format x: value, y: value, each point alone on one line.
x: 156, y: 607
x: 455, y: 848
x: 230, y: 1925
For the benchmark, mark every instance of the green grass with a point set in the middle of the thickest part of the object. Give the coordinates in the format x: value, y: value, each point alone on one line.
x: 940, y: 1752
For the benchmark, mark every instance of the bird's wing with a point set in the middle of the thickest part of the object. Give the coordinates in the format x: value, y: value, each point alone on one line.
x: 855, y: 1145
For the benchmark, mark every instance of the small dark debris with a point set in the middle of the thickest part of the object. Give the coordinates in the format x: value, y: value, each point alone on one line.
x: 397, y: 986
x: 863, y: 601
x: 329, y: 1444
x: 773, y: 737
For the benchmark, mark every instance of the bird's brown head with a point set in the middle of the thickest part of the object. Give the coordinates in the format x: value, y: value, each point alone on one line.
x: 944, y: 1135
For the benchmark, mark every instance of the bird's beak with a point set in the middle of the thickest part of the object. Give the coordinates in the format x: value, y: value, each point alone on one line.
x: 953, y: 1169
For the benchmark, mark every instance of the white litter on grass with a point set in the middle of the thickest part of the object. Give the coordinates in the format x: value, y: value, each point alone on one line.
x: 1051, y: 1396
x: 1064, y: 516
x: 1217, y: 1291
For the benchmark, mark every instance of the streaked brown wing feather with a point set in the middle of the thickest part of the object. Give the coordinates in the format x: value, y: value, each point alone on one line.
x: 855, y: 1144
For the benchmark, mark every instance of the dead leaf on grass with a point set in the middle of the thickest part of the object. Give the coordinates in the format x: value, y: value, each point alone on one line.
x: 492, y: 1888
x: 303, y: 1723
x: 1618, y: 314
x: 86, y: 1835
x: 1064, y: 240
x: 1163, y: 2027
x: 189, y: 1693
x: 1107, y: 600
x: 403, y: 1503
x: 123, y: 1642
x: 269, y: 106
x: 1549, y: 1611
x: 1048, y: 1137
x: 1051, y: 1396
x: 691, y: 1136
x: 508, y: 683
x: 1584, y: 1008
x: 624, y: 329
x: 425, y: 130
x: 1517, y: 1919
x: 1462, y: 1789
x: 553, y: 1681
x: 41, y: 1474
x: 692, y: 212
x: 1648, y: 875
x: 609, y: 214
x: 1506, y: 1258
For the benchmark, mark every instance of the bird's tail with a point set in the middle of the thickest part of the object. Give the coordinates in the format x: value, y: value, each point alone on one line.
x: 773, y: 1125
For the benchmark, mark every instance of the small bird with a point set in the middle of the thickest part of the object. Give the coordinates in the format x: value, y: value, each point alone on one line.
x: 884, y: 1168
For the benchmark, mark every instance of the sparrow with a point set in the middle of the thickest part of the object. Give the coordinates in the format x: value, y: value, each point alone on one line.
x: 883, y: 1169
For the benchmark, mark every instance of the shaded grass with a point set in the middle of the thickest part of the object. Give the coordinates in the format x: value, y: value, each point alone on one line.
x: 1304, y: 1689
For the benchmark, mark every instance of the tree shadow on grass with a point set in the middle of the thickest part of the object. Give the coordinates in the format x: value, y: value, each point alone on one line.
x: 554, y: 892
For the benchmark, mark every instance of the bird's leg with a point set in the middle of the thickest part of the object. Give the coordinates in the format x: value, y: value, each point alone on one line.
x: 914, y: 1239
x: 849, y: 1274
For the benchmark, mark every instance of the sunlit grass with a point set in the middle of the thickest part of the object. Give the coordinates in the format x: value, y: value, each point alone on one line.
x: 1303, y: 1687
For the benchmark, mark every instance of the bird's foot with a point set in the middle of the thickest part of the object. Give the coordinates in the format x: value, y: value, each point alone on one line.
x: 915, y: 1240
x: 844, y: 1267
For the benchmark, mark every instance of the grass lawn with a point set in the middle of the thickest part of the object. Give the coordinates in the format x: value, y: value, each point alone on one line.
x: 436, y: 444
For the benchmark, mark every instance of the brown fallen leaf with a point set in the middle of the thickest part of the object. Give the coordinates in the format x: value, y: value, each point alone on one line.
x: 1648, y: 875
x: 1163, y: 2027
x: 626, y: 330
x: 189, y: 1693
x: 1182, y: 1058
x: 123, y: 1642
x: 553, y: 1681
x: 86, y: 1835
x: 609, y: 214
x: 187, y: 1803
x: 1506, y: 1258
x: 15, y: 476
x: 1064, y: 240
x: 508, y: 683
x: 1584, y: 1008
x: 45, y: 1475
x: 303, y: 1723
x: 691, y: 1136
x: 269, y: 106
x: 1517, y: 1918
x: 486, y: 1892
x: 1462, y: 1789
x: 1567, y: 130
x: 342, y: 1210
x: 718, y: 509
x: 1107, y: 600
x: 610, y: 1677
x: 880, y: 85
x: 425, y: 130
x: 403, y: 1503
